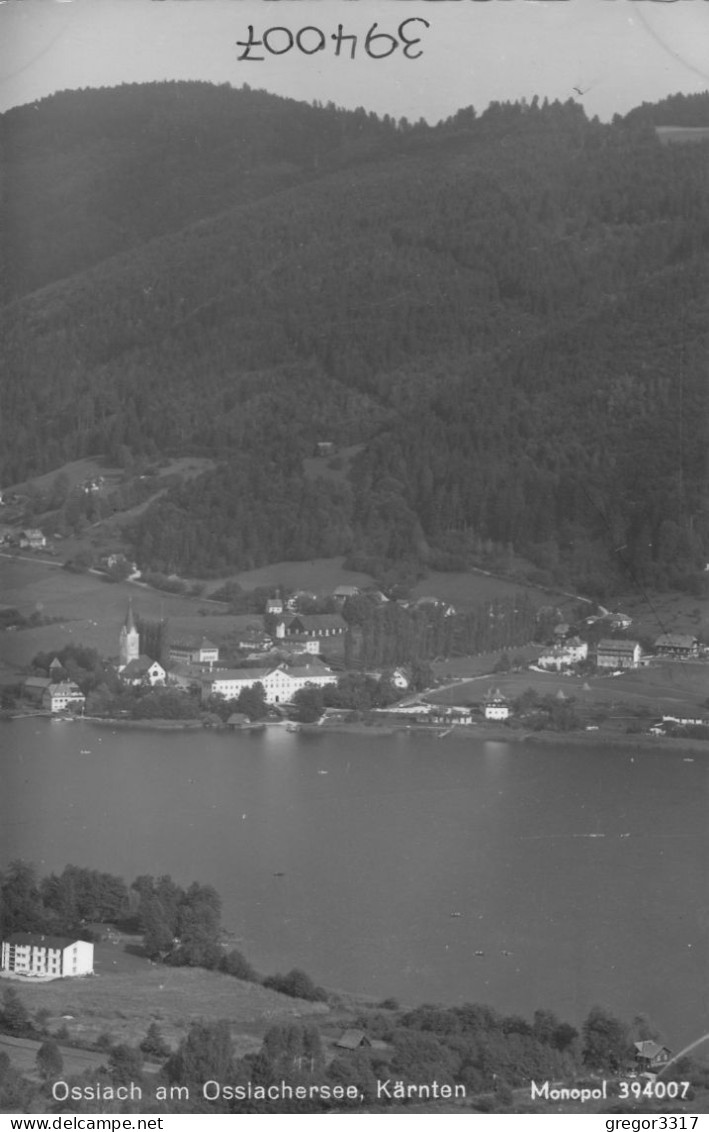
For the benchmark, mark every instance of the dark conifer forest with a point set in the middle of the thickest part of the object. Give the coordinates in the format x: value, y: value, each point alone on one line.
x: 501, y: 318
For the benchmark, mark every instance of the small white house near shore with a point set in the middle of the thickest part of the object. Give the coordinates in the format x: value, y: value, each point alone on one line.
x: 64, y: 696
x: 496, y: 705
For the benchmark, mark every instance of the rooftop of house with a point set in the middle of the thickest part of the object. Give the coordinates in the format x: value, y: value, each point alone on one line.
x: 559, y: 648
x: 307, y: 659
x: 306, y: 671
x: 495, y: 696
x: 193, y: 643
x: 237, y: 674
x: 616, y: 646
x: 650, y: 1049
x: 313, y: 621
x: 353, y: 1039
x: 140, y: 666
x: 36, y: 939
x: 675, y: 641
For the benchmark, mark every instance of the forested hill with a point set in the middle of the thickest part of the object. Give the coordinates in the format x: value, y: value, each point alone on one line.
x: 95, y: 172
x: 506, y: 312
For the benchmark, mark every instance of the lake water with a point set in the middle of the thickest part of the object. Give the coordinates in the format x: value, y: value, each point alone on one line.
x: 588, y: 865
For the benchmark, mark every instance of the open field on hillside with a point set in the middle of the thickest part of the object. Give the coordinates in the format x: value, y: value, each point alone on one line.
x: 127, y: 993
x: 91, y: 467
x: 76, y: 472
x: 468, y: 588
x: 463, y: 589
x: 481, y: 664
x: 105, y: 535
x: 665, y: 687
x: 655, y: 613
x: 321, y: 576
x: 23, y: 1056
x: 93, y: 610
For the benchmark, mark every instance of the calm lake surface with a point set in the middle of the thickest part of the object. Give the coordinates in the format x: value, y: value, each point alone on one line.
x: 589, y: 865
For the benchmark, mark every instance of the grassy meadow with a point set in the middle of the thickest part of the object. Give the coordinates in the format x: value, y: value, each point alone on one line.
x: 92, y: 610
x: 670, y: 687
x: 128, y: 992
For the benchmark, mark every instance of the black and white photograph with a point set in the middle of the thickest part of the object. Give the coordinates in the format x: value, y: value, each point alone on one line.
x: 354, y: 560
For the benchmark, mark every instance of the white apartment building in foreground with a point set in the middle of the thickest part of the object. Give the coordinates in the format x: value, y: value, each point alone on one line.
x: 46, y: 956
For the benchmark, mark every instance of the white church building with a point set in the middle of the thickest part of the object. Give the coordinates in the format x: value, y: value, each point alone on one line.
x: 135, y: 667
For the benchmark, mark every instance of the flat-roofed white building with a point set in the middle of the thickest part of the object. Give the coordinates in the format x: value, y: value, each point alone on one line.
x: 38, y: 956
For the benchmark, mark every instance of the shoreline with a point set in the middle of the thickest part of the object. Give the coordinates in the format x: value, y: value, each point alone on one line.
x: 502, y: 734
x: 147, y: 724
x: 486, y: 733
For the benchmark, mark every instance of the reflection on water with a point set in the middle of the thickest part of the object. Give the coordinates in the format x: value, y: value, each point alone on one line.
x: 461, y: 870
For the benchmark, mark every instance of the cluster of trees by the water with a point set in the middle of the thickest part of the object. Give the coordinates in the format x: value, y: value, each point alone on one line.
x: 179, y: 926
x: 80, y: 663
x: 517, y: 344
x: 59, y: 904
x: 105, y: 693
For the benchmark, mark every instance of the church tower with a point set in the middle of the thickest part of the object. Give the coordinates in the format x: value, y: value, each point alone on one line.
x: 129, y: 648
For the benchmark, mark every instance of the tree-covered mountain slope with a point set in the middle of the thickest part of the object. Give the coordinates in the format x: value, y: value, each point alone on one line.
x: 508, y: 313
x: 93, y: 172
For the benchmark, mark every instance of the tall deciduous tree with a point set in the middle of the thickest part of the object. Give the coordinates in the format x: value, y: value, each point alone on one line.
x: 49, y: 1060
x: 605, y: 1040
x: 206, y: 1054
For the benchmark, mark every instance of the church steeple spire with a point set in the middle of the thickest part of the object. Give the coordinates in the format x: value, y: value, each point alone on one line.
x: 130, y: 639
